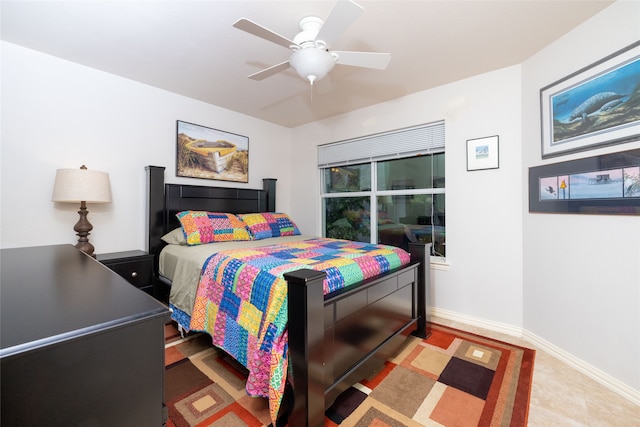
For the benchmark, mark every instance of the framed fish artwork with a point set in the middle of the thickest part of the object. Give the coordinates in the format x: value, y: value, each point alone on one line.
x: 596, y: 106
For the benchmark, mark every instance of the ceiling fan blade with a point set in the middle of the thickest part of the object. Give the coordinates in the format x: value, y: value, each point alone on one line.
x: 268, y: 72
x: 343, y: 14
x: 262, y: 32
x: 375, y: 60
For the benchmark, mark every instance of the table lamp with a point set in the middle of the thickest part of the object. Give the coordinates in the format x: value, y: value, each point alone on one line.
x: 82, y: 186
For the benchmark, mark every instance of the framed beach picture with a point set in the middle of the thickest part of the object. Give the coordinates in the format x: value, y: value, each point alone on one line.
x: 482, y: 153
x: 207, y: 153
x: 604, y: 185
x: 596, y: 106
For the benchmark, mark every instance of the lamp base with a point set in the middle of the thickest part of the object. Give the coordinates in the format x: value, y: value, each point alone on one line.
x: 82, y: 229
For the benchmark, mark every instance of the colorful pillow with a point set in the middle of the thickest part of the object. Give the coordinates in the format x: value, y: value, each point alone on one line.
x: 175, y: 237
x: 202, y: 227
x: 265, y: 225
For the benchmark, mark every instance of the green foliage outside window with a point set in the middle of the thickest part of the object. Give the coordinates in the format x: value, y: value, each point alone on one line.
x: 347, y: 218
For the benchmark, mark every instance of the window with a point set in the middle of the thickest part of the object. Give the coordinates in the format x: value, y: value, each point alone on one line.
x: 388, y: 198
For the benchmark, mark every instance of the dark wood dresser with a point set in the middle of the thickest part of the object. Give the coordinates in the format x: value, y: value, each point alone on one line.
x: 79, y: 346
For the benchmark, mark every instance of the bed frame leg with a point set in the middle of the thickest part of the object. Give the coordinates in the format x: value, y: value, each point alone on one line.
x: 421, y: 252
x: 306, y: 342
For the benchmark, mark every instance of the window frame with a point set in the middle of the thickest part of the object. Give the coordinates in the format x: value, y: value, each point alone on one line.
x: 374, y: 193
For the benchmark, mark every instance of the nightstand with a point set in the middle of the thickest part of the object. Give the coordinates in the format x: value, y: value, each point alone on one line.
x: 135, y: 266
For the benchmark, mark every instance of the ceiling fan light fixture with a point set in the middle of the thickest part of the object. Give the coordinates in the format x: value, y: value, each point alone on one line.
x: 311, y: 55
x: 312, y: 64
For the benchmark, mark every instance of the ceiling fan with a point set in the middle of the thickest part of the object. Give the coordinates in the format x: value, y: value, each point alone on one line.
x: 311, y: 57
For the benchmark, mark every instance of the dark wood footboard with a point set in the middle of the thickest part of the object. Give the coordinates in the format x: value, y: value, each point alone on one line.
x: 339, y: 339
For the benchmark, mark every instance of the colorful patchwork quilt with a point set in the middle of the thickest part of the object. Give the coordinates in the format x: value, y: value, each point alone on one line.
x: 242, y: 299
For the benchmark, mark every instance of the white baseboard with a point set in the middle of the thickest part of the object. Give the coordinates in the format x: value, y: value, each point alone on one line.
x: 502, y: 328
x: 592, y: 372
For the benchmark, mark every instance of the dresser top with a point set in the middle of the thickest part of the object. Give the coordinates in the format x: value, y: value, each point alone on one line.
x: 53, y: 293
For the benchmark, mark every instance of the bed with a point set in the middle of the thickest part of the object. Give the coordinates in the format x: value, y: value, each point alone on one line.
x: 334, y: 340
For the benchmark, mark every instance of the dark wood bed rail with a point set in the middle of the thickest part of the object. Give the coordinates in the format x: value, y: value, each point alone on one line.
x: 316, y: 326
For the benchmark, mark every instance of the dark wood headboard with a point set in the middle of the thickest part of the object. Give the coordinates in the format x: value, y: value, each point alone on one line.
x: 166, y: 200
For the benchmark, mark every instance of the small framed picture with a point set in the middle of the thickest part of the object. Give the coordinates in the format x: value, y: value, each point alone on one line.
x: 482, y: 153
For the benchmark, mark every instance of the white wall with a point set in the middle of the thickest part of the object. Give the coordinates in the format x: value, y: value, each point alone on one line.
x: 483, y: 208
x: 587, y: 305
x: 582, y: 272
x: 57, y: 114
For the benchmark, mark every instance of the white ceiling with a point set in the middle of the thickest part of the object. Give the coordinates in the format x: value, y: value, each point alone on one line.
x: 191, y: 48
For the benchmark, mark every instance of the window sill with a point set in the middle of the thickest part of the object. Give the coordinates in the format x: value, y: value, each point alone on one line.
x: 438, y: 263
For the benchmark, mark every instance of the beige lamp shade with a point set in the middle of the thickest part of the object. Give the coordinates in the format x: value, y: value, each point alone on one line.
x: 81, y: 185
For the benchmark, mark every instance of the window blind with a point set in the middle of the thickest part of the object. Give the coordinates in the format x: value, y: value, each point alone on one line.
x: 405, y: 142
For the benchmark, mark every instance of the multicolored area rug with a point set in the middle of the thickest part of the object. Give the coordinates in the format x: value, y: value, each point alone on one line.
x: 453, y: 378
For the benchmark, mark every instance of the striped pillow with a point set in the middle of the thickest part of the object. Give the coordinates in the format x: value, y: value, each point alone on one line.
x: 202, y: 227
x: 265, y: 225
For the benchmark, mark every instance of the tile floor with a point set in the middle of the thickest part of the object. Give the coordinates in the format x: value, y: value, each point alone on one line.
x: 562, y: 396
